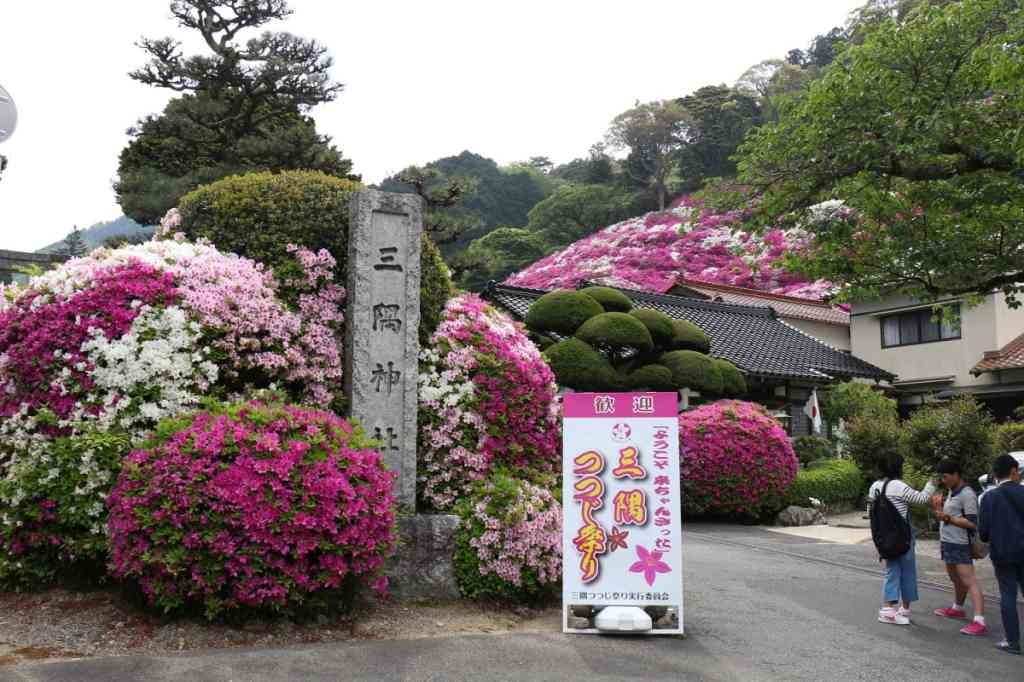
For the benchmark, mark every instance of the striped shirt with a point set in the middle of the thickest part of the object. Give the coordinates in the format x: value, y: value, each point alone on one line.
x: 901, y: 495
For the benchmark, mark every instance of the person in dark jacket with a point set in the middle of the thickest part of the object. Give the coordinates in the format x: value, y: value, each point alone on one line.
x: 1001, y: 523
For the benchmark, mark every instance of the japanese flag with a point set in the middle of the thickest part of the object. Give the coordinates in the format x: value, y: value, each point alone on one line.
x: 813, y: 412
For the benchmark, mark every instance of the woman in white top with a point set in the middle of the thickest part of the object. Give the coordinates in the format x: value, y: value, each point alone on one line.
x: 900, y: 573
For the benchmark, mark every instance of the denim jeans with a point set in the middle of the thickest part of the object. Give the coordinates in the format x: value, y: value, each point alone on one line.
x: 901, y: 577
x: 1009, y: 577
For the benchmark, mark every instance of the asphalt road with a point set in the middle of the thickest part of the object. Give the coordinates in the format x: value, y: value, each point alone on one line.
x: 760, y: 606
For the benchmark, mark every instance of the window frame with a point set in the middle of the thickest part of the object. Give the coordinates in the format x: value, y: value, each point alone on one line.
x: 919, y: 314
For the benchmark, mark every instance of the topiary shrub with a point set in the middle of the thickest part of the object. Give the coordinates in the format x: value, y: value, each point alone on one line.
x: 652, y: 378
x: 561, y: 311
x: 257, y: 214
x: 832, y: 481
x: 612, y: 300
x: 812, y: 448
x: 733, y: 382
x: 735, y: 460
x: 694, y: 370
x: 54, y: 511
x: 487, y: 398
x: 435, y: 289
x: 616, y: 331
x: 688, y: 336
x: 961, y: 430
x: 509, y: 542
x: 868, y: 439
x: 257, y: 505
x: 577, y: 365
x: 658, y: 324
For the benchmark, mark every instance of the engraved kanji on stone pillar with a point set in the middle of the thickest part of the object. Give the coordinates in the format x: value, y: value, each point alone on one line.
x: 381, y: 343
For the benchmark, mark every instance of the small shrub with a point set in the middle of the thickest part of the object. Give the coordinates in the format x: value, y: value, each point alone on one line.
x: 615, y: 331
x: 688, y: 336
x: 577, y: 365
x: 561, y: 311
x: 735, y: 460
x: 612, y: 300
x: 54, y: 511
x: 833, y: 481
x: 658, y: 324
x: 812, y: 448
x: 652, y: 378
x: 961, y: 430
x: 1009, y: 437
x: 435, y: 289
x: 851, y: 399
x: 869, y: 439
x: 734, y: 385
x: 255, y: 505
x: 694, y: 370
x: 509, y: 542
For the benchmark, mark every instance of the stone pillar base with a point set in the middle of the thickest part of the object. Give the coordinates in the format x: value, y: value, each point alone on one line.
x: 422, y: 566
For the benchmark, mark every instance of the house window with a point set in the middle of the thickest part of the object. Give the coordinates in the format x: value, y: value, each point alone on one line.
x: 919, y: 326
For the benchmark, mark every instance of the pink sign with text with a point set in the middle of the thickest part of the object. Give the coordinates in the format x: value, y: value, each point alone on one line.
x: 621, y: 505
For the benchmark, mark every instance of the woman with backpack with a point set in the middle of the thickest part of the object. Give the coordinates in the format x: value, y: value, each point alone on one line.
x: 889, y: 501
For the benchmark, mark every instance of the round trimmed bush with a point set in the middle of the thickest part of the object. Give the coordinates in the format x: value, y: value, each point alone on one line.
x: 652, y: 378
x: 688, y: 336
x: 256, y: 505
x: 812, y: 448
x: 658, y: 324
x: 577, y: 365
x: 735, y: 460
x: 509, y: 542
x: 694, y: 370
x: 733, y: 383
x: 617, y: 331
x: 612, y: 300
x: 833, y: 481
x: 561, y: 311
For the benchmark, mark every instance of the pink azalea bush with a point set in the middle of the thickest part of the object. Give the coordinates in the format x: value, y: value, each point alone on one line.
x: 487, y: 398
x: 735, y: 459
x: 254, y: 505
x: 122, y: 338
x: 509, y: 543
x: 653, y: 251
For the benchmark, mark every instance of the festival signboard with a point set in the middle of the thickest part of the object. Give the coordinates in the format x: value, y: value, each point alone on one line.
x: 622, y: 508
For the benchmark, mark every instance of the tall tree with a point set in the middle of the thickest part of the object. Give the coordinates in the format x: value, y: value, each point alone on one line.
x: 653, y: 133
x: 575, y: 211
x: 917, y: 131
x: 73, y: 245
x: 242, y: 107
x: 719, y: 118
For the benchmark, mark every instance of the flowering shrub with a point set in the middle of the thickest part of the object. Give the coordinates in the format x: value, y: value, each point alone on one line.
x: 509, y: 543
x: 52, y: 508
x: 486, y: 397
x: 652, y: 251
x: 734, y: 459
x: 117, y: 340
x: 256, y: 505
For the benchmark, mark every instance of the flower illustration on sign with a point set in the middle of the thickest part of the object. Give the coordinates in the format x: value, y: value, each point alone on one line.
x: 650, y: 564
x: 621, y: 432
x: 617, y: 539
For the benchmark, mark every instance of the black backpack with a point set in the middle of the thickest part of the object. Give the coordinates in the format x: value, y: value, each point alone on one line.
x: 889, y: 529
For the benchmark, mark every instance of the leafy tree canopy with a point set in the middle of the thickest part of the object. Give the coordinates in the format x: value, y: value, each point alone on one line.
x: 916, y: 131
x: 719, y: 117
x: 497, y: 255
x: 575, y: 211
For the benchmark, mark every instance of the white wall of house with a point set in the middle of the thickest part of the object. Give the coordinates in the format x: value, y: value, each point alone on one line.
x: 982, y: 328
x: 835, y: 335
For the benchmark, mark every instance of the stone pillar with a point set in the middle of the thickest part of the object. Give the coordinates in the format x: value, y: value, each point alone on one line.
x: 381, y: 339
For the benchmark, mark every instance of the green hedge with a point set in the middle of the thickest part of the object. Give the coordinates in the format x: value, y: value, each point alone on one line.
x: 688, y: 336
x: 561, y: 311
x: 833, y: 481
x: 658, y: 324
x: 577, y: 365
x: 617, y: 331
x: 612, y: 300
x: 695, y: 371
x: 813, y: 448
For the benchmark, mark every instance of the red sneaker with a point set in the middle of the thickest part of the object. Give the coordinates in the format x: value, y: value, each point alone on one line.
x: 950, y: 612
x: 975, y: 629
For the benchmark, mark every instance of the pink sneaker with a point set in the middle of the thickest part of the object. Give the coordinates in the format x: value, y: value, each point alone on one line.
x: 950, y: 612
x: 975, y: 629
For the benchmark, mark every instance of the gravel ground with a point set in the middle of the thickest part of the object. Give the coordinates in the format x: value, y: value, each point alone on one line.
x: 61, y: 623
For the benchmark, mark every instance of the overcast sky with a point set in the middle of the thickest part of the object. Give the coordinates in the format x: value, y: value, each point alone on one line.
x: 507, y: 80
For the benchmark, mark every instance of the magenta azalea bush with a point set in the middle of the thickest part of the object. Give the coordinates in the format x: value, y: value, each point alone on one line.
x: 120, y: 339
x: 509, y: 543
x: 652, y: 252
x: 735, y: 459
x: 254, y: 505
x: 487, y: 398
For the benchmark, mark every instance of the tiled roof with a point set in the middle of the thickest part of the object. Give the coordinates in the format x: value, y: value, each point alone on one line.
x: 785, y: 306
x: 751, y: 337
x: 1010, y: 356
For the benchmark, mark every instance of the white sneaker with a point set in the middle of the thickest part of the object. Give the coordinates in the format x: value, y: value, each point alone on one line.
x: 893, y: 617
x: 903, y: 612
